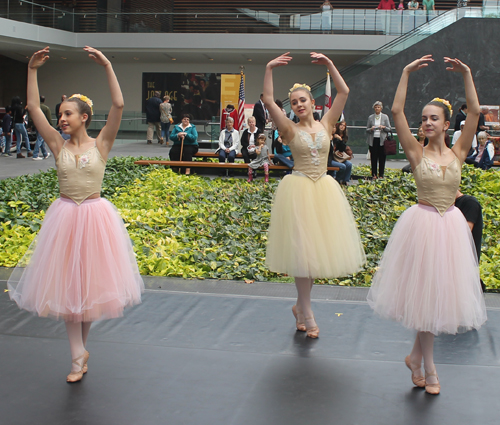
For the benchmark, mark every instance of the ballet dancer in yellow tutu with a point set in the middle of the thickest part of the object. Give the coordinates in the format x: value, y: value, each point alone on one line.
x: 312, y: 233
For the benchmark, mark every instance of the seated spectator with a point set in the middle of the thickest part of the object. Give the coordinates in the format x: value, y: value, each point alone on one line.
x: 458, y: 133
x: 338, y: 148
x: 483, y: 154
x: 229, y: 142
x: 263, y: 159
x: 282, y: 153
x: 249, y: 139
x: 185, y: 138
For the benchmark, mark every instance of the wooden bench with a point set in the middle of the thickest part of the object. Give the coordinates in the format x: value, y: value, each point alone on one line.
x: 206, y: 155
x: 202, y: 164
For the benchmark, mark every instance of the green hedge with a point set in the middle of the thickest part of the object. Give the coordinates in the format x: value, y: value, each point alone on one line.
x: 196, y: 227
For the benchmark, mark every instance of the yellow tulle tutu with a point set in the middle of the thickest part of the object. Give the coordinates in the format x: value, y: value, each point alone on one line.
x: 313, y: 232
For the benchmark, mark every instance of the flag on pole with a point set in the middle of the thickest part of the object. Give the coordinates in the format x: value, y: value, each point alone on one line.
x: 328, y: 95
x: 241, y: 103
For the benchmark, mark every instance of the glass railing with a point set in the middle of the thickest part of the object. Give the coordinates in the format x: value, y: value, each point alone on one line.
x: 401, y: 43
x: 337, y: 21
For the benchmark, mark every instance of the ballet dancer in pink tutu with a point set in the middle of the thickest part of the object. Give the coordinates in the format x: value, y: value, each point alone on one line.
x: 81, y: 266
x: 312, y: 233
x: 428, y: 277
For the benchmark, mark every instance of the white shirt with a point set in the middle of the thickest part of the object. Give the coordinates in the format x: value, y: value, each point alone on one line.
x: 378, y: 121
x: 457, y: 134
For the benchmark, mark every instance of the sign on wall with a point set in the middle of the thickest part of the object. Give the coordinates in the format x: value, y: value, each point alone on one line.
x: 197, y: 94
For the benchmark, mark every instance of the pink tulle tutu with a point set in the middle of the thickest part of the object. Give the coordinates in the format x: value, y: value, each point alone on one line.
x: 428, y: 277
x: 81, y: 266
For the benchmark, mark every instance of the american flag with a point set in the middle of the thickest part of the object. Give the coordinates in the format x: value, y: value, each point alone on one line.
x: 241, y: 103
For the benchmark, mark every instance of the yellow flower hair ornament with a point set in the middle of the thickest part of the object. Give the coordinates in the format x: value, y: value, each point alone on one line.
x: 444, y: 102
x: 298, y: 86
x: 85, y: 99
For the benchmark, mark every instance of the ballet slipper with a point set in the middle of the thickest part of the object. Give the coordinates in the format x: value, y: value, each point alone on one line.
x: 418, y: 381
x: 299, y: 319
x: 312, y: 331
x: 78, y: 375
x: 433, y: 389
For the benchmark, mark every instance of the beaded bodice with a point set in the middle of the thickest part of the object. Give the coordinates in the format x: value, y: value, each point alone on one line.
x: 310, y: 153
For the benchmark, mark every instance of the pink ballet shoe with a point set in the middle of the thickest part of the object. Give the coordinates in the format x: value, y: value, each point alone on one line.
x: 86, y: 356
x: 418, y: 381
x: 433, y: 389
x: 312, y: 331
x: 299, y: 319
x: 76, y: 376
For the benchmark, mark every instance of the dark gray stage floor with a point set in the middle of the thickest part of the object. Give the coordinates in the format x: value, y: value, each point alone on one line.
x: 209, y: 352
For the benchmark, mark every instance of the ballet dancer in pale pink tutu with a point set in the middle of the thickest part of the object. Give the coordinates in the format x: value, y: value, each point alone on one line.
x: 81, y: 266
x: 428, y: 277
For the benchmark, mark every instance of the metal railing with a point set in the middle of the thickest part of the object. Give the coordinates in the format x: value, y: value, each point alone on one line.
x: 336, y: 21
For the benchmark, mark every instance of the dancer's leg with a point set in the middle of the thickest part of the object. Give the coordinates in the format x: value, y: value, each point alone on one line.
x: 304, y: 287
x: 85, y: 332
x: 427, y: 346
x: 74, y: 331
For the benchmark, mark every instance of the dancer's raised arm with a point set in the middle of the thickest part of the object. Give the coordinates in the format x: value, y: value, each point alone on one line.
x: 464, y: 142
x: 333, y: 115
x: 412, y: 148
x: 51, y: 136
x: 286, y: 126
x: 108, y: 134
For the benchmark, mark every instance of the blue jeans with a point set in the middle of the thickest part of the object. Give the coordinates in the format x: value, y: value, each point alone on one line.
x: 284, y: 160
x: 165, y: 133
x: 230, y: 156
x: 344, y: 173
x: 39, y: 144
x: 21, y: 134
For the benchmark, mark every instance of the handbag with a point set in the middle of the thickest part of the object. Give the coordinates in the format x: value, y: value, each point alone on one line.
x: 340, y: 156
x: 251, y: 148
x: 390, y: 145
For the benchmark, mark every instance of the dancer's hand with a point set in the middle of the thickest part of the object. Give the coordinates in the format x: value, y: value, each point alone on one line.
x: 280, y: 61
x: 456, y: 65
x: 320, y: 59
x: 97, y: 56
x: 419, y: 63
x: 39, y: 58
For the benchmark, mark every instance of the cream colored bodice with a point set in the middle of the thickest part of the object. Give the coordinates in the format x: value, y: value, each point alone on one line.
x: 438, y: 184
x: 80, y: 176
x: 310, y: 153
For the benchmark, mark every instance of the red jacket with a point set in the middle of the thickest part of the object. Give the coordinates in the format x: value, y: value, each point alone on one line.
x: 233, y: 115
x: 386, y: 5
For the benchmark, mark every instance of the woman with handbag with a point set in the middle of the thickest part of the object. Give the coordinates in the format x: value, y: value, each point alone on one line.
x: 338, y: 155
x: 377, y: 129
x: 166, y: 118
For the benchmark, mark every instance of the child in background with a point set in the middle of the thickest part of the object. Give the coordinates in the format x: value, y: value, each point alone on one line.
x: 263, y: 159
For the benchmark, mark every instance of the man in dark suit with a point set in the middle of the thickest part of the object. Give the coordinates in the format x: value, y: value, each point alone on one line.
x: 153, y: 118
x: 259, y: 112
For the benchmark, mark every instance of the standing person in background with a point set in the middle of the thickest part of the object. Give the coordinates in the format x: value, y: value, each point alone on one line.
x: 259, y: 112
x: 377, y: 127
x: 429, y: 7
x: 386, y: 5
x: 413, y: 5
x: 326, y: 17
x: 18, y: 113
x: 7, y: 128
x: 63, y: 98
x: 228, y: 112
x: 40, y: 143
x: 153, y: 118
x: 166, y: 118
x: 461, y: 115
